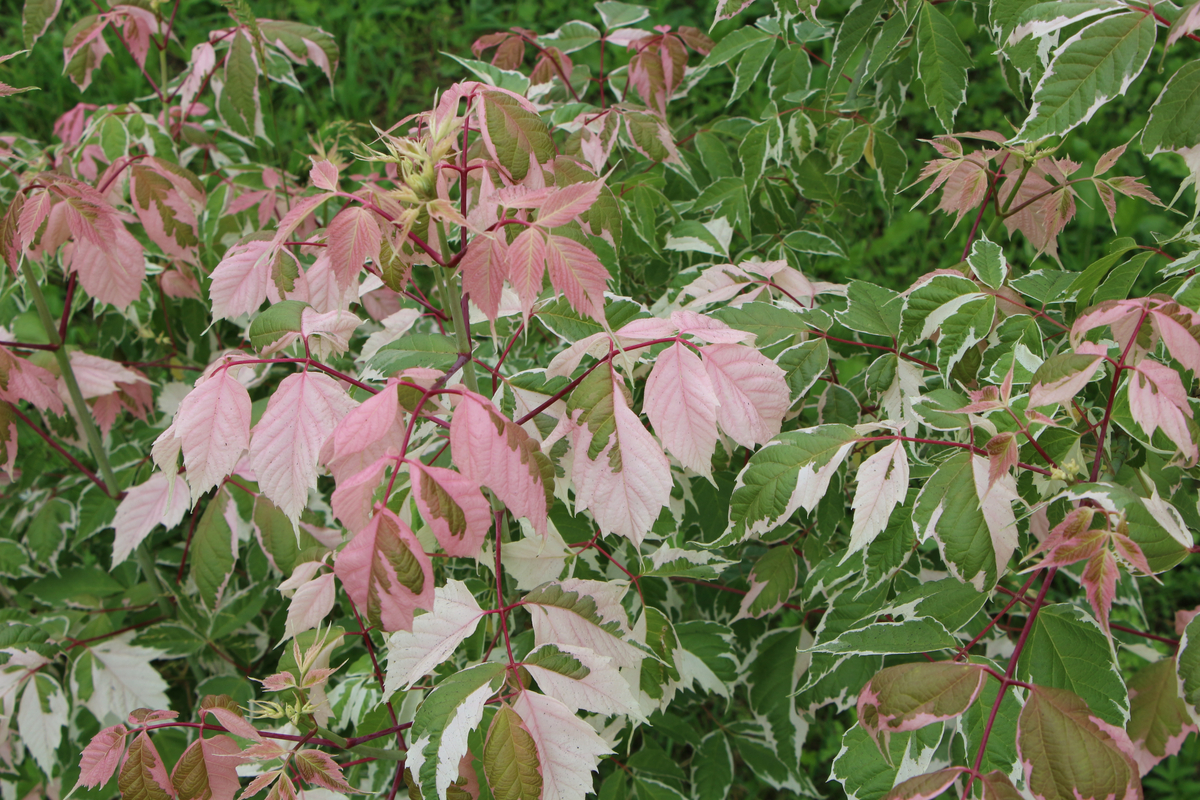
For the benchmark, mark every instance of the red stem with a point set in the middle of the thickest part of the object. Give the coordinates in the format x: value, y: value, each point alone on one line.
x: 59, y: 449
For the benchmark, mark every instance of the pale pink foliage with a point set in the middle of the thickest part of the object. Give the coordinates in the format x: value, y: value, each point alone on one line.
x: 213, y: 427
x: 367, y: 568
x: 452, y: 504
x: 102, y: 756
x: 158, y: 501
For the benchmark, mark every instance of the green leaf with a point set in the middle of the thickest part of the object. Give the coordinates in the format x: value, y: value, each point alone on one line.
x: 213, y: 551
x: 987, y: 262
x: 510, y: 79
x: 792, y: 471
x: 768, y: 322
x: 239, y: 99
x: 276, y: 322
x: 564, y: 322
x: 510, y: 759
x: 515, y: 133
x: 772, y: 581
x: 1067, y: 650
x: 751, y: 64
x: 1066, y: 755
x: 871, y: 309
x: 803, y: 365
x: 1175, y: 116
x: 572, y: 36
x: 712, y: 767
x: 818, y: 244
x: 1188, y: 666
x: 1158, y: 716
x: 853, y: 31
x: 1092, y: 67
x: 911, y: 696
x: 928, y: 306
x: 942, y: 64
x: 734, y: 44
x: 863, y: 771
x: 36, y: 17
x: 83, y: 585
x: 617, y: 15
x: 434, y: 350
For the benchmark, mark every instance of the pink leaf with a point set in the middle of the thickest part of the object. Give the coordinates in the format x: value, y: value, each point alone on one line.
x: 143, y: 774
x: 386, y: 573
x: 563, y: 205
x: 707, y: 329
x: 213, y: 426
x: 157, y: 501
x: 166, y: 198
x: 751, y: 390
x: 354, y: 498
x: 367, y: 433
x: 99, y: 376
x: 239, y: 282
x: 882, y: 483
x: 311, y: 603
x: 525, y: 265
x: 24, y: 380
x: 568, y: 749
x: 298, y: 419
x: 353, y: 237
x: 1066, y: 381
x: 111, y: 269
x: 1186, y: 23
x: 493, y: 451
x: 681, y: 404
x: 578, y: 274
x: 1157, y: 399
x: 453, y: 506
x: 101, y: 757
x: 483, y: 271
x: 629, y: 482
x: 83, y: 53
x: 1179, y: 328
x: 324, y: 175
x: 1106, y: 161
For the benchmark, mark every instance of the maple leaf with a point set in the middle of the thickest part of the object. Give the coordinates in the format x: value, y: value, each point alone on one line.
x: 300, y: 416
x: 386, y: 573
x: 101, y: 757
x: 452, y: 504
x: 568, y: 749
x: 493, y: 451
x: 213, y: 428
x: 157, y: 501
x: 681, y: 404
x: 434, y: 636
x: 1157, y: 399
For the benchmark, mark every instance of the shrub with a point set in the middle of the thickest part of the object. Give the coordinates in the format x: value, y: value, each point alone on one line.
x: 549, y: 442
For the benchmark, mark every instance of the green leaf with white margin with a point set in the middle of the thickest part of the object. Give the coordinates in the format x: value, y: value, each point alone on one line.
x: 769, y: 323
x: 1092, y: 67
x: 802, y: 365
x: 732, y: 45
x: 1067, y: 755
x: 1188, y: 667
x: 932, y: 303
x: 712, y: 768
x: 866, y: 775
x: 817, y: 244
x: 509, y: 79
x: 448, y: 714
x: 772, y: 675
x: 617, y: 15
x: 972, y: 522
x: 433, y: 350
x: 792, y: 471
x: 581, y: 679
x: 964, y: 329
x: 569, y: 749
x: 510, y: 759
x: 1066, y: 649
x: 916, y: 635
x: 857, y: 24
x: 705, y: 656
x: 942, y: 64
x: 987, y: 262
x: 772, y: 581
x: 572, y: 36
x: 749, y: 67
x: 214, y: 550
x: 238, y: 100
x: 36, y: 17
x: 1175, y: 116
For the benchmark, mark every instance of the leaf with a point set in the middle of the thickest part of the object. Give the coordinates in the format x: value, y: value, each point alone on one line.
x: 483, y: 271
x: 751, y: 391
x: 681, y: 404
x: 102, y: 756
x: 353, y: 238
x: 910, y: 696
x: 310, y: 605
x: 455, y: 509
x: 213, y: 427
x: 573, y: 612
x: 214, y: 550
x: 510, y: 759
x: 1157, y: 399
x: 239, y: 282
x: 1061, y: 378
x: 442, y: 722
x: 871, y: 309
x: 1066, y: 755
x: 577, y: 273
x: 207, y: 770
x: 119, y: 677
x: 166, y: 197
x: 772, y: 582
x: 1095, y: 65
x: 882, y: 484
x: 492, y: 450
x: 1067, y: 650
x: 1188, y: 667
x: 43, y: 714
x: 913, y: 635
x: 581, y: 679
x: 238, y: 97
x: 792, y: 471
x: 620, y: 472
x: 386, y: 573
x: 988, y: 263
x: 515, y: 136
x: 942, y: 63
x: 525, y: 265
x: 712, y: 767
x: 568, y: 749
x: 1158, y: 717
x: 972, y: 522
x: 159, y: 500
x: 143, y: 775
x: 434, y: 636
x: 36, y: 17
x: 1176, y: 112
x: 287, y: 440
